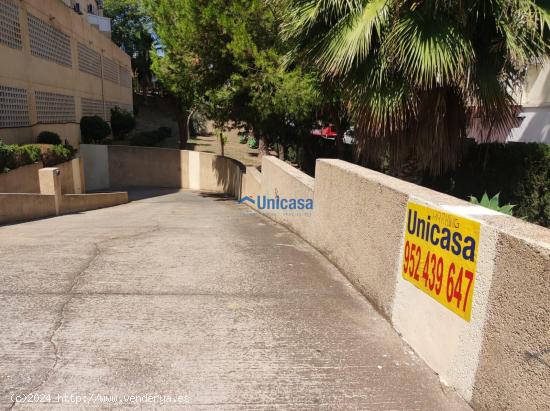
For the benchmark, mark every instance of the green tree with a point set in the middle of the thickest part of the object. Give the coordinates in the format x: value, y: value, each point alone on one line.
x: 417, y: 74
x: 131, y: 31
x: 191, y: 58
x: 229, y: 67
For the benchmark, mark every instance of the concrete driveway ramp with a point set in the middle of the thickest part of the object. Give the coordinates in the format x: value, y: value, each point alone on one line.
x: 194, y: 302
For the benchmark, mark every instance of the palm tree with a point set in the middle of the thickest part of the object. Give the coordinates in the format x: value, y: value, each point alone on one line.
x: 417, y: 74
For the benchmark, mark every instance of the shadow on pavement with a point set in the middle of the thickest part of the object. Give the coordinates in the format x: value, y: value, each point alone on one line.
x: 217, y: 196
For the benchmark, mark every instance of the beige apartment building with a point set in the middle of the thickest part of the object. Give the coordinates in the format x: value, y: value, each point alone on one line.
x: 57, y: 64
x: 534, y: 119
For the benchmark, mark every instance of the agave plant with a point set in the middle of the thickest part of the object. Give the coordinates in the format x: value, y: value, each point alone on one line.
x: 417, y: 74
x: 493, y: 204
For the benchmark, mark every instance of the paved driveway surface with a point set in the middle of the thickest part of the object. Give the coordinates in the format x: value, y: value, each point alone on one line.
x: 196, y: 300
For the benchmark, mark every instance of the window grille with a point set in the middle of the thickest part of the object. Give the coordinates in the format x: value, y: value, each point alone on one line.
x: 49, y: 43
x: 125, y: 77
x: 110, y: 70
x: 53, y: 108
x: 89, y: 61
x: 92, y: 107
x: 10, y: 30
x: 14, y: 107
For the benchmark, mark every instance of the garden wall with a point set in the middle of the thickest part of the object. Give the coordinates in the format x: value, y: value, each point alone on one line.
x: 144, y: 167
x: 127, y: 166
x: 25, y: 179
x: 60, y: 193
x: 73, y: 203
x: 21, y: 180
x: 21, y: 207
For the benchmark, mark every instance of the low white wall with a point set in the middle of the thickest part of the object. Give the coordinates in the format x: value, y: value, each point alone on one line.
x: 25, y: 179
x: 96, y: 166
x: 279, y: 179
x: 108, y: 167
x: 358, y: 222
x: 21, y: 207
x: 21, y: 180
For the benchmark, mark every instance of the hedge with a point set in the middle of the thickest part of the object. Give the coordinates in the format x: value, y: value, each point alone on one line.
x: 13, y: 155
x: 151, y: 138
x: 122, y: 122
x: 93, y: 129
x: 58, y: 154
x: 520, y: 172
x: 48, y: 137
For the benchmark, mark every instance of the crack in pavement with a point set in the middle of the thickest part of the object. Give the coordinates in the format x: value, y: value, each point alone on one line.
x: 70, y: 295
x: 61, y: 318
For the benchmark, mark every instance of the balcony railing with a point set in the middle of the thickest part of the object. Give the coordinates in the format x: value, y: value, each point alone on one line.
x: 103, y: 23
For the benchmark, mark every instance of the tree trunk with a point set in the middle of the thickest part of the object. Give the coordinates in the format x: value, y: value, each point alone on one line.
x: 262, y: 146
x: 189, y: 118
x: 281, y: 149
x: 222, y: 144
x: 340, y: 149
x: 183, y: 132
x: 184, y: 122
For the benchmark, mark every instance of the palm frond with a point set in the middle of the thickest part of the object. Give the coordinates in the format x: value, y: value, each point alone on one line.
x: 430, y: 52
x: 417, y: 75
x: 350, y: 40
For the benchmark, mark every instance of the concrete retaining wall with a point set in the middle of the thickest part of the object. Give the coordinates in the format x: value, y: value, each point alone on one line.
x: 220, y: 174
x: 21, y: 180
x: 96, y: 166
x: 20, y: 207
x: 281, y: 179
x: 108, y: 167
x: 23, y: 207
x: 59, y: 191
x: 25, y: 179
x: 144, y: 167
x: 496, y: 360
x: 73, y: 203
x: 251, y: 183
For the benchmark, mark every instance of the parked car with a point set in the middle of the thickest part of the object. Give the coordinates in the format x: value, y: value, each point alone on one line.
x: 349, y: 138
x: 328, y: 133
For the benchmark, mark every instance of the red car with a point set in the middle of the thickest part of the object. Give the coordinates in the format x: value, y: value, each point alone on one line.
x: 325, y: 132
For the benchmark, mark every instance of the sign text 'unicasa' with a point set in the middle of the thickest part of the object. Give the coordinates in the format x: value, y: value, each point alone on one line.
x: 440, y: 256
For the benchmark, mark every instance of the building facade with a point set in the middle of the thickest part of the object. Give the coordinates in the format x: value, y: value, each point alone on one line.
x: 56, y: 66
x: 534, y: 119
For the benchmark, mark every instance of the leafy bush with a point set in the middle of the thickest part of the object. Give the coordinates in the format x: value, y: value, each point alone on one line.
x: 520, y: 172
x: 93, y: 129
x: 145, y: 139
x: 165, y: 132
x: 198, y: 125
x: 122, y: 122
x: 243, y: 138
x: 253, y: 143
x: 292, y: 154
x: 493, y: 204
x: 48, y: 137
x: 58, y: 154
x: 151, y: 138
x: 13, y: 156
x: 3, y: 157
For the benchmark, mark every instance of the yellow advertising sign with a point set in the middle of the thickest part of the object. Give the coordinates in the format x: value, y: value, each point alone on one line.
x: 440, y: 256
